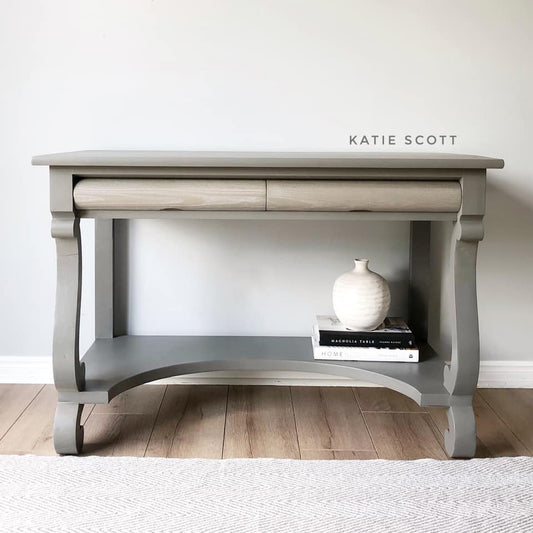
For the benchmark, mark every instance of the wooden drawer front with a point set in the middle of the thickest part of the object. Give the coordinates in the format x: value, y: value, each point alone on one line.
x: 162, y: 194
x: 363, y: 195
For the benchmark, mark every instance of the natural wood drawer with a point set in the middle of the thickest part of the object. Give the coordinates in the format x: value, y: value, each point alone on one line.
x: 272, y: 195
x: 162, y: 194
x: 363, y: 195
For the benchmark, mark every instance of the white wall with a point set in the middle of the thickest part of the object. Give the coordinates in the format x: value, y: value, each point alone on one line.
x: 245, y: 75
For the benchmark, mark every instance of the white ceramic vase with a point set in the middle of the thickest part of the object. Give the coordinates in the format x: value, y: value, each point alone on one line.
x: 361, y: 298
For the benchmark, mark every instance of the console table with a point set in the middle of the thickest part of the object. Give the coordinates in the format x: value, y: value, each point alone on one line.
x: 426, y: 189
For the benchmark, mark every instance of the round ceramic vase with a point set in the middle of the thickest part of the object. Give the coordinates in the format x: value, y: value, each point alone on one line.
x: 361, y: 298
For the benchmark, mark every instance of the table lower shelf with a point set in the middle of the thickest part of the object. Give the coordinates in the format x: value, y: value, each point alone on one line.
x: 115, y: 365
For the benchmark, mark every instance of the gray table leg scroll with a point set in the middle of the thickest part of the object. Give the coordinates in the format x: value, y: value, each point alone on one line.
x: 69, y: 373
x: 460, y: 378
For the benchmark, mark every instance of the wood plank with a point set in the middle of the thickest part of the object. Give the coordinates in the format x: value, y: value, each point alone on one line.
x: 440, y: 424
x: 328, y: 418
x: 514, y: 407
x: 168, y: 418
x: 87, y: 410
x: 198, y: 414
x: 260, y: 423
x: 123, y: 427
x: 495, y: 435
x: 403, y: 435
x: 14, y: 399
x: 190, y: 422
x: 338, y: 454
x: 33, y: 431
x: 143, y: 400
x: 346, y: 455
x: 439, y: 417
x: 382, y: 399
x: 117, y: 434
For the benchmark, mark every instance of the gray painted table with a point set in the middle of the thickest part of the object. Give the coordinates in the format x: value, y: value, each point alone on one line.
x: 434, y: 192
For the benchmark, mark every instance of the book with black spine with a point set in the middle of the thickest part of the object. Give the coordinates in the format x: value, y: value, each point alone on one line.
x: 393, y: 333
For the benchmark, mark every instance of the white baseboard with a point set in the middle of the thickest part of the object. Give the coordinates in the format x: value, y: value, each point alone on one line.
x: 25, y: 369
x: 493, y: 374
x: 505, y: 375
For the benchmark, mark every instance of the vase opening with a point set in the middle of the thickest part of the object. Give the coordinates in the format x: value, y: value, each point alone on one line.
x: 361, y: 265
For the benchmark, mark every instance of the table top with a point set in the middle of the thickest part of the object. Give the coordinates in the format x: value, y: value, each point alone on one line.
x: 141, y: 158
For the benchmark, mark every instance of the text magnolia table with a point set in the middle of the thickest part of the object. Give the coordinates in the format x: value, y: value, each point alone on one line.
x: 435, y: 192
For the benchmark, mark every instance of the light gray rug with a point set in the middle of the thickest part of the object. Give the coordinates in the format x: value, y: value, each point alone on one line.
x: 128, y: 495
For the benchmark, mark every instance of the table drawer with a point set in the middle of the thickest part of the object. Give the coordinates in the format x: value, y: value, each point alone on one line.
x: 363, y: 195
x: 170, y: 194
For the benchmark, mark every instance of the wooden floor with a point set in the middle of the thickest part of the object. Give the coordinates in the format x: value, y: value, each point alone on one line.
x: 261, y: 421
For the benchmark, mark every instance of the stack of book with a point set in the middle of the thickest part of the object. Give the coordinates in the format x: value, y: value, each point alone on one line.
x: 393, y: 341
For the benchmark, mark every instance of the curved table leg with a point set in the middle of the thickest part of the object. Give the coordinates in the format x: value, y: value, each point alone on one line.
x: 68, y: 431
x: 460, y: 378
x: 69, y: 373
